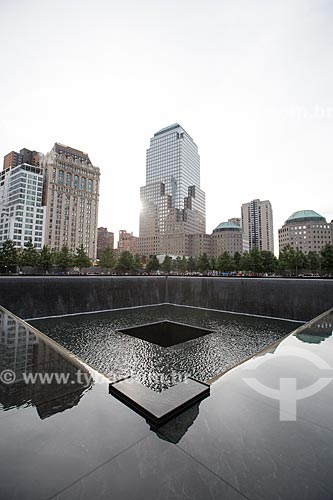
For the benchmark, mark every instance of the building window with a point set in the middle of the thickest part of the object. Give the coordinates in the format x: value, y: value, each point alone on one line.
x: 61, y: 177
x: 83, y: 183
x: 76, y: 181
x: 68, y: 179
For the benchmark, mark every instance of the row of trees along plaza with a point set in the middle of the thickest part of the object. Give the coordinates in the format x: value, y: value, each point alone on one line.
x: 291, y: 262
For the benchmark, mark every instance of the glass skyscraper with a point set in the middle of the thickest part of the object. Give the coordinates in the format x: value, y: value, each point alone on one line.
x: 173, y: 205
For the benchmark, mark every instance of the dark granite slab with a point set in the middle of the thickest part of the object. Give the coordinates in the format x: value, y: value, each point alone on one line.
x: 306, y: 357
x: 166, y: 333
x: 76, y: 442
x: 247, y: 444
x: 151, y: 470
x: 159, y: 407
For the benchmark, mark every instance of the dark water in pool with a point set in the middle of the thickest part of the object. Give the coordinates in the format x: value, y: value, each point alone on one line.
x: 93, y: 337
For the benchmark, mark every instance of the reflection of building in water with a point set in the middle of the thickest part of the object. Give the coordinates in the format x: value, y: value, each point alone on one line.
x: 16, y: 346
x: 56, y: 386
x: 176, y: 428
x: 318, y: 332
x: 55, y: 397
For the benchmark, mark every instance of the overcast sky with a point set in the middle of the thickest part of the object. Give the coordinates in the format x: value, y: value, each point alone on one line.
x: 250, y: 80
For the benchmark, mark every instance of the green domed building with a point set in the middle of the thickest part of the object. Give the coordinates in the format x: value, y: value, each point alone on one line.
x: 306, y: 230
x: 227, y: 237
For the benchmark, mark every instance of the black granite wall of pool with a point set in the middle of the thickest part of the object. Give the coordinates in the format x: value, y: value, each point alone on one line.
x: 298, y: 299
x: 47, y: 296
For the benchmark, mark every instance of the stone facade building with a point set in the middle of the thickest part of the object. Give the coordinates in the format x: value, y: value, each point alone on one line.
x: 71, y: 184
x: 226, y: 237
x: 306, y: 230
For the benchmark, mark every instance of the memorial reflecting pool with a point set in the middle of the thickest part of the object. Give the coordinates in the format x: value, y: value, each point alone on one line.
x: 96, y: 340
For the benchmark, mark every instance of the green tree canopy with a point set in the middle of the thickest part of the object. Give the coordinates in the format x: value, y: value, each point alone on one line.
x: 183, y: 264
x: 166, y: 264
x: 191, y: 264
x: 292, y: 260
x: 212, y: 264
x: 80, y: 258
x: 203, y: 263
x: 269, y: 261
x: 8, y: 256
x: 256, y: 260
x: 245, y: 262
x: 326, y: 254
x: 284, y: 258
x: 45, y: 258
x: 125, y: 262
x: 313, y: 261
x: 29, y: 255
x: 153, y: 264
x: 299, y: 261
x: 178, y: 264
x: 225, y: 263
x: 137, y: 262
x: 64, y: 258
x: 237, y: 261
x: 108, y: 259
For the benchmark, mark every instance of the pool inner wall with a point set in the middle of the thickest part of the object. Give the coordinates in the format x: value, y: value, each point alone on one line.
x: 296, y: 299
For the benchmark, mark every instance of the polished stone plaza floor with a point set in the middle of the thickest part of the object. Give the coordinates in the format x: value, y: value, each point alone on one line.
x: 248, y: 439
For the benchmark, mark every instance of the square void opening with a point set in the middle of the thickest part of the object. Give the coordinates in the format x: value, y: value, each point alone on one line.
x: 166, y: 333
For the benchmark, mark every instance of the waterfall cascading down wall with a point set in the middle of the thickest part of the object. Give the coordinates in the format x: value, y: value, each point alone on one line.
x: 298, y: 299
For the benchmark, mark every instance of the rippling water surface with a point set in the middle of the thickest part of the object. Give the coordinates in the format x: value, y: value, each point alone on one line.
x: 93, y: 337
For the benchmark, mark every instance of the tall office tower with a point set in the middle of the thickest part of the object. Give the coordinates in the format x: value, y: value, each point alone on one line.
x: 105, y: 239
x: 71, y: 198
x: 173, y: 205
x: 257, y: 225
x: 22, y: 214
